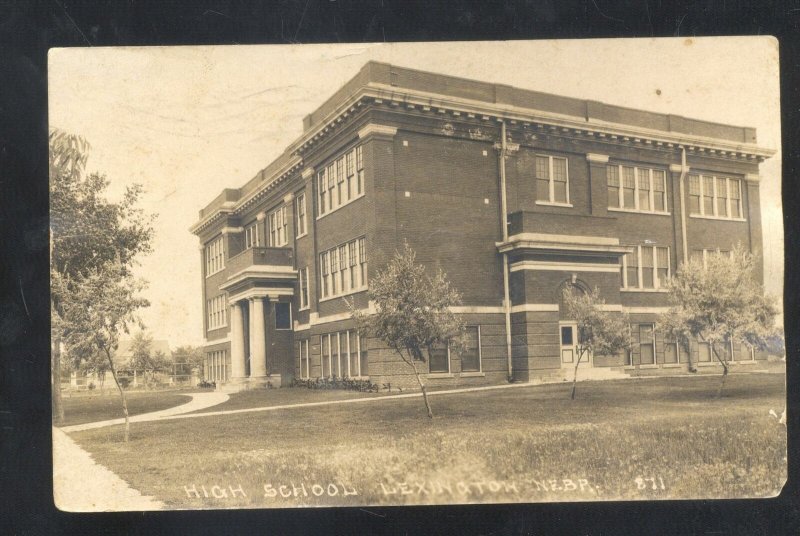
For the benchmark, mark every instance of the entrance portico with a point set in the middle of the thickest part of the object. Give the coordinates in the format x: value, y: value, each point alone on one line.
x: 266, y: 277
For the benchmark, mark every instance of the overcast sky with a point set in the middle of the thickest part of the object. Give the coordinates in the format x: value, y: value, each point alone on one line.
x: 188, y: 121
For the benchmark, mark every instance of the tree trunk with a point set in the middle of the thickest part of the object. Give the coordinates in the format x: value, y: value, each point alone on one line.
x: 575, y: 375
x: 55, y: 364
x: 724, y: 370
x: 688, y: 354
x: 121, y: 393
x: 422, y: 386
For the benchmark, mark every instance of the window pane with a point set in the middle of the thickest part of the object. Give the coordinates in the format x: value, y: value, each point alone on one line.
x: 560, y: 192
x: 283, y: 315
x: 560, y: 169
x: 704, y: 351
x: 736, y: 196
x: 647, y: 267
x: 644, y: 189
x: 438, y: 359
x: 470, y: 357
x: 663, y: 266
x: 566, y: 336
x: 670, y: 352
x: 542, y: 190
x: 542, y: 167
x: 633, y: 268
x: 646, y: 344
x: 659, y: 190
x: 708, y: 195
x: 628, y: 187
x: 694, y: 194
x: 722, y: 199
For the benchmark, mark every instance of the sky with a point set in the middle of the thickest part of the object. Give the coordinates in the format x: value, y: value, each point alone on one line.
x: 186, y: 122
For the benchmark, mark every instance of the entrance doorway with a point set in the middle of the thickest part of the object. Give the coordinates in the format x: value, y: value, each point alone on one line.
x: 568, y: 335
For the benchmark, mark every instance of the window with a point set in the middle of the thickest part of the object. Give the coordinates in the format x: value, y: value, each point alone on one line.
x: 715, y: 197
x: 216, y: 366
x: 215, y: 256
x: 341, y: 181
x: 702, y: 255
x: 344, y: 269
x: 304, y: 303
x: 344, y: 354
x: 439, y: 359
x: 251, y: 238
x: 471, y: 355
x: 636, y: 188
x: 647, y: 345
x: 305, y: 359
x: 300, y: 215
x: 703, y: 352
x: 647, y: 267
x: 216, y: 309
x: 283, y: 315
x: 278, y: 228
x: 552, y: 180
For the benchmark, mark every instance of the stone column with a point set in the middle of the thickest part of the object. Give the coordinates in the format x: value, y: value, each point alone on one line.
x: 258, y: 342
x: 237, y: 343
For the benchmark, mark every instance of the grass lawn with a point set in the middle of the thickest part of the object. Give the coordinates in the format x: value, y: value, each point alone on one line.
x: 99, y: 407
x: 661, y: 438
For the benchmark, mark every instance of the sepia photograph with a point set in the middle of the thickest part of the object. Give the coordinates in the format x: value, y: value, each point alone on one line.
x: 393, y: 274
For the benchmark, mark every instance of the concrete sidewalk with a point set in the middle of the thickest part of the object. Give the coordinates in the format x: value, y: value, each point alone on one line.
x: 82, y: 485
x: 199, y: 401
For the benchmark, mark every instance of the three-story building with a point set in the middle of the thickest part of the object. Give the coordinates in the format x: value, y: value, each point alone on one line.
x: 515, y: 194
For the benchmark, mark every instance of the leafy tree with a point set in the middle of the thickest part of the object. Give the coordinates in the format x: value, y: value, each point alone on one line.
x: 600, y: 332
x: 96, y: 311
x: 412, y: 312
x: 721, y: 303
x: 98, y: 365
x: 91, y: 238
x: 190, y: 356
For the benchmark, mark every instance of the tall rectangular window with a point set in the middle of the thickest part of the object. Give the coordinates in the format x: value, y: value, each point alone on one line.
x: 703, y: 352
x: 662, y: 263
x: 659, y: 190
x: 322, y: 189
x: 300, y: 215
x: 632, y: 269
x: 217, y: 312
x: 644, y: 189
x: 708, y: 195
x: 334, y: 258
x: 344, y: 268
x: 278, y: 228
x: 722, y: 197
x: 215, y: 256
x: 251, y: 238
x: 628, y: 187
x: 647, y: 346
x: 612, y: 178
x: 736, y: 198
x: 471, y: 355
x: 647, y: 268
x: 439, y: 359
x: 304, y: 302
x: 694, y: 194
x: 305, y: 359
x: 283, y: 315
x: 325, y: 355
x: 325, y: 278
x: 359, y: 171
x: 552, y: 180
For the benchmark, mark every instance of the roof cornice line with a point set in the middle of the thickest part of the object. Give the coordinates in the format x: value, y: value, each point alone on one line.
x: 508, y: 111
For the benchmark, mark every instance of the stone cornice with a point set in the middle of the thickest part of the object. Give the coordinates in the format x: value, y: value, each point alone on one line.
x: 373, y: 129
x: 752, y: 177
x: 597, y: 158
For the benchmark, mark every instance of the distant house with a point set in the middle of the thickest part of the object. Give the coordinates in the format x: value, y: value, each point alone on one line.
x: 122, y: 361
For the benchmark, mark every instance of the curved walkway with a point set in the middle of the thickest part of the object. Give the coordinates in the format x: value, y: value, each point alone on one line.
x: 199, y: 401
x: 82, y: 485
